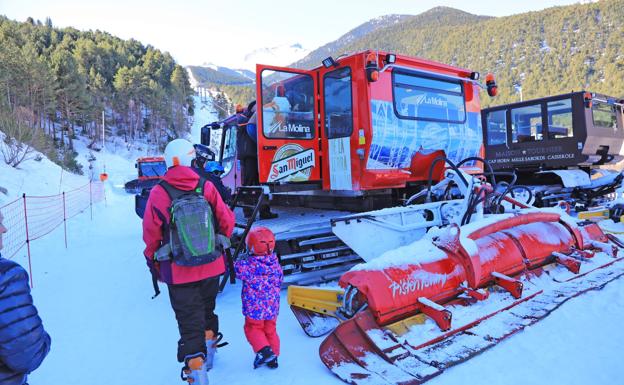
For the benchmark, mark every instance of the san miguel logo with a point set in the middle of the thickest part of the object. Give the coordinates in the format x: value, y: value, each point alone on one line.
x: 292, y: 163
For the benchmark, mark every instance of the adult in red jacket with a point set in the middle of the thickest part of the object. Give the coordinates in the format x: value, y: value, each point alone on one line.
x: 192, y: 289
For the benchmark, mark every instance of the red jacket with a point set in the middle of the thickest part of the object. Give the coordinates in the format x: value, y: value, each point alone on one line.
x: 157, y: 215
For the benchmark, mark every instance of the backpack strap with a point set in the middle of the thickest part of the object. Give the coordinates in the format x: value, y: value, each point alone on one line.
x: 200, y: 185
x: 175, y: 193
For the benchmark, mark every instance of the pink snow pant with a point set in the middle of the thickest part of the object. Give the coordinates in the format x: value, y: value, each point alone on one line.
x: 261, y: 334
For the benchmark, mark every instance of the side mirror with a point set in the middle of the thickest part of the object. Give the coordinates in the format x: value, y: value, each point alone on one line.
x: 205, y: 135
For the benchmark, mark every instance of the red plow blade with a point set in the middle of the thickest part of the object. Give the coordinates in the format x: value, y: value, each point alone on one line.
x: 360, y: 352
x: 380, y: 346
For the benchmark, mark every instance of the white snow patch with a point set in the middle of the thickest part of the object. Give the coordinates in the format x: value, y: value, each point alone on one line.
x: 544, y: 46
x: 419, y: 252
x: 470, y: 228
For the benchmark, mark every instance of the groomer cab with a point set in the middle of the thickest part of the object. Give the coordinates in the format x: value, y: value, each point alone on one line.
x: 365, y: 123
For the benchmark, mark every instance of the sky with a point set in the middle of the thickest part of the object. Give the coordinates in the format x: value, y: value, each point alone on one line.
x: 222, y: 32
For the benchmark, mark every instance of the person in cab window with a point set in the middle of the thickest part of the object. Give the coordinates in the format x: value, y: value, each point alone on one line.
x: 280, y: 106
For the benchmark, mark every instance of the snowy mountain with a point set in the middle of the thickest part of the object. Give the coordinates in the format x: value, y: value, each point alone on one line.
x: 243, y: 72
x: 211, y: 74
x: 280, y: 56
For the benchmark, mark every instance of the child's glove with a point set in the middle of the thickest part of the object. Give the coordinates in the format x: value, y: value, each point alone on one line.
x: 224, y: 241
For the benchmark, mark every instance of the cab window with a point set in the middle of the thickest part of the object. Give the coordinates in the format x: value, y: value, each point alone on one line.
x: 604, y: 115
x: 497, y: 127
x: 229, y: 148
x: 431, y: 99
x: 560, y: 119
x: 526, y: 124
x: 338, y: 103
x: 287, y: 105
x: 152, y: 169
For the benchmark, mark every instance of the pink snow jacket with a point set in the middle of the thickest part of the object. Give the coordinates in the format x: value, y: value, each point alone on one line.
x: 156, y: 219
x: 262, y: 280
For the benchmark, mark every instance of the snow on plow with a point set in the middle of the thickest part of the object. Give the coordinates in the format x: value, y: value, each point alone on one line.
x: 405, y: 319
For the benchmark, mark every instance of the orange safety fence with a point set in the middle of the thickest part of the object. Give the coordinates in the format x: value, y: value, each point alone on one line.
x: 32, y: 217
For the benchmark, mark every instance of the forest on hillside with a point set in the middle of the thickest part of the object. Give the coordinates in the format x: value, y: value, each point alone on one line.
x: 56, y: 83
x: 556, y: 50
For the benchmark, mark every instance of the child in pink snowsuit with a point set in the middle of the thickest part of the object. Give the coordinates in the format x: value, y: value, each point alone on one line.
x: 262, y: 278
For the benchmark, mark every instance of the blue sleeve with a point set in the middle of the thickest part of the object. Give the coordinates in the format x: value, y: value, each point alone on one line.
x: 252, y: 131
x: 23, y: 341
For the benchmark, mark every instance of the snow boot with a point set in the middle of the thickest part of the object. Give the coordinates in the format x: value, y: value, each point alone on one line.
x: 212, y: 343
x: 194, y: 370
x: 272, y: 364
x: 264, y: 357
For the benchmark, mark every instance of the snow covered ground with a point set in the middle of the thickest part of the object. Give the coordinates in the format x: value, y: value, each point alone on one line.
x: 94, y: 299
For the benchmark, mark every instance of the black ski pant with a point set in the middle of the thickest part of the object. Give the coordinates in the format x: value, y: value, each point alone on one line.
x: 249, y: 171
x: 194, y: 305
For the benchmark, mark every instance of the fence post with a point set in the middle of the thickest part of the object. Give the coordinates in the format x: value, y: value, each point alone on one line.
x: 64, y: 219
x: 28, y: 242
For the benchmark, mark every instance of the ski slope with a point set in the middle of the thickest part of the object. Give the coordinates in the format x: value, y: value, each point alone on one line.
x: 94, y: 299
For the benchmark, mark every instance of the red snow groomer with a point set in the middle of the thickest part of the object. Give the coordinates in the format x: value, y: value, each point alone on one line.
x: 356, y: 134
x: 362, y: 131
x: 150, y: 170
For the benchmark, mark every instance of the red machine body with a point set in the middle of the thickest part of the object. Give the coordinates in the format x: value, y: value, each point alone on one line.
x: 383, y: 341
x: 359, y: 123
x: 500, y: 250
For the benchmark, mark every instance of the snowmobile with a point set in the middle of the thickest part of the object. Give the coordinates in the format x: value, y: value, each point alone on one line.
x: 557, y: 144
x: 406, y: 315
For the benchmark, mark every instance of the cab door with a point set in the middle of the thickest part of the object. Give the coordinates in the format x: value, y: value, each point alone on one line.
x: 287, y: 124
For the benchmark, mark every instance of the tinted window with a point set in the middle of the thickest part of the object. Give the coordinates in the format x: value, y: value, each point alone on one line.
x: 604, y: 115
x: 153, y: 169
x: 560, y: 119
x: 229, y: 149
x: 287, y: 105
x: 338, y: 103
x: 421, y: 98
x: 497, y: 127
x: 526, y: 124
